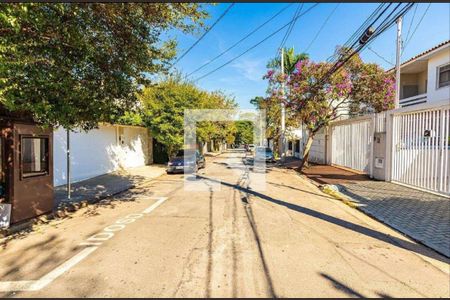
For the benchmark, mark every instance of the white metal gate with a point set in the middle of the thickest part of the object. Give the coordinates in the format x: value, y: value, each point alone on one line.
x: 421, y: 149
x: 352, y: 144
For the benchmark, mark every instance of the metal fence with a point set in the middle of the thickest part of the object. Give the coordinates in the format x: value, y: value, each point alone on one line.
x: 416, y: 151
x: 421, y: 150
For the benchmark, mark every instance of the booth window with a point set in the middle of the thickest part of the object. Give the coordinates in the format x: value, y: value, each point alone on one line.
x: 34, y: 156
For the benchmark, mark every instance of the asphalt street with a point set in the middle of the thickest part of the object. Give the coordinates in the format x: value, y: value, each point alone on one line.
x: 232, y: 231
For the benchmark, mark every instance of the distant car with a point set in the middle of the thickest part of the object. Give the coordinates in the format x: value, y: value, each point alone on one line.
x: 264, y: 153
x: 251, y: 147
x: 193, y: 162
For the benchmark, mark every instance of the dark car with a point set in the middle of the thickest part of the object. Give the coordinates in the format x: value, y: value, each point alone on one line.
x: 264, y: 153
x: 186, y: 161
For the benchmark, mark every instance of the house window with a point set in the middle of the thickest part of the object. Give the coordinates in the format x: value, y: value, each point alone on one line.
x: 444, y: 76
x: 290, y: 145
x: 34, y: 156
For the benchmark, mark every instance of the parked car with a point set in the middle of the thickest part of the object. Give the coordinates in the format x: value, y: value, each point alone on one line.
x: 251, y: 147
x: 191, y: 163
x: 264, y: 153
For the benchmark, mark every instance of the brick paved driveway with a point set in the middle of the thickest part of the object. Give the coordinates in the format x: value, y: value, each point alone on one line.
x: 423, y: 216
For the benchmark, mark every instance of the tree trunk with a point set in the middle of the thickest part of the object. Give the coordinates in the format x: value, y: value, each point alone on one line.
x: 306, y: 151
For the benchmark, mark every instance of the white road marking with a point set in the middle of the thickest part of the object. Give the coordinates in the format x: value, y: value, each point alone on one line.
x: 89, y: 244
x: 45, y: 280
x: 10, y: 286
x: 155, y: 205
x: 35, y: 285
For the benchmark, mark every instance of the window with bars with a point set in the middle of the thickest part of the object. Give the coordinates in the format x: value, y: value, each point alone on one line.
x: 444, y: 76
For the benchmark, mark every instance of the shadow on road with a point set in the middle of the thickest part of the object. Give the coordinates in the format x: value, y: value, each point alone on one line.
x: 342, y: 287
x: 400, y: 243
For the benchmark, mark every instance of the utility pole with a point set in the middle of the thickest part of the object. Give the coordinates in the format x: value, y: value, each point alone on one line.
x: 397, y: 62
x: 283, y: 113
x: 68, y: 163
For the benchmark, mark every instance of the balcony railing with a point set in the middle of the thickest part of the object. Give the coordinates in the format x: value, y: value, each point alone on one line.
x: 418, y: 99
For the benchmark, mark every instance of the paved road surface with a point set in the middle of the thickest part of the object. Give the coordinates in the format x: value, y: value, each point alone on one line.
x: 231, y: 239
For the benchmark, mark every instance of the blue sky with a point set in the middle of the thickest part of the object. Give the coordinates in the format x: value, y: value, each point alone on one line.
x: 243, y: 77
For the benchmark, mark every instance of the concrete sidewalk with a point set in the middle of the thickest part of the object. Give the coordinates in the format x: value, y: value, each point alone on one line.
x: 423, y: 216
x: 96, y: 188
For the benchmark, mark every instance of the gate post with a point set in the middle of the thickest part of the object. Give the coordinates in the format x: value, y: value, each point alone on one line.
x: 329, y: 150
x: 389, y: 144
x: 372, y: 137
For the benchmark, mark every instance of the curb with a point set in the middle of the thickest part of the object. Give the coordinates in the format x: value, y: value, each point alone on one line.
x: 333, y: 190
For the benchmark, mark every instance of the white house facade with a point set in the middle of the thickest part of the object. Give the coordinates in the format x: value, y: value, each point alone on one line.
x: 425, y: 78
x: 100, y: 151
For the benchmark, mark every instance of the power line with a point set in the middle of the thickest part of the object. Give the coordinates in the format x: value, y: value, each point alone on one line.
x: 417, y: 26
x: 386, y: 23
x: 321, y: 28
x: 204, y: 34
x: 380, y: 56
x: 257, y: 44
x: 412, y: 21
x: 362, y: 28
x: 240, y: 41
x: 291, y: 27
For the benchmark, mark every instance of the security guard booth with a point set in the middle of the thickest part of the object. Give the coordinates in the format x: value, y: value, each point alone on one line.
x: 26, y: 167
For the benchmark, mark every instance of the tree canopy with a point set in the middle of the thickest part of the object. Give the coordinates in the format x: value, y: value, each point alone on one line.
x: 163, y: 107
x: 318, y: 99
x: 272, y: 103
x: 244, y: 132
x: 77, y: 64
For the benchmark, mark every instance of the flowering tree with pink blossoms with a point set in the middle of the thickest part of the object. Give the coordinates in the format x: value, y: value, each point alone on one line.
x: 316, y: 99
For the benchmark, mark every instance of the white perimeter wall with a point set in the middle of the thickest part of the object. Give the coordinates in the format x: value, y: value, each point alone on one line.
x: 99, y: 151
x: 317, y: 152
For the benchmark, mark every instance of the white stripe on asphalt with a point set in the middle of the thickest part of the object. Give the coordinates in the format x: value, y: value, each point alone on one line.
x: 45, y: 280
x: 154, y: 205
x: 9, y: 286
x: 35, y: 285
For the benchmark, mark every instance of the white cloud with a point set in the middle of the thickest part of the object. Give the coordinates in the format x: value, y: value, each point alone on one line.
x: 252, y: 69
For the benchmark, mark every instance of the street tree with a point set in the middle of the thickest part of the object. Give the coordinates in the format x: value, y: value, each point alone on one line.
x: 318, y: 99
x: 77, y: 64
x: 244, y: 132
x: 272, y: 103
x: 216, y: 132
x: 164, y: 105
x: 163, y: 110
x: 290, y: 59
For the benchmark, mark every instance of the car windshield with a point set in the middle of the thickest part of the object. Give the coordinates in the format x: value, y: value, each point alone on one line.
x: 264, y: 150
x: 181, y: 153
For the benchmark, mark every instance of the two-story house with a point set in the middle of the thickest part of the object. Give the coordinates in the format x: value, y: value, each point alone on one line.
x: 425, y: 78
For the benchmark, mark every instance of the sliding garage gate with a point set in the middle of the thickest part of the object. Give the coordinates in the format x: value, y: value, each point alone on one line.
x: 421, y: 149
x: 352, y: 144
